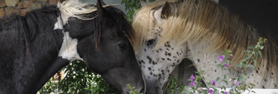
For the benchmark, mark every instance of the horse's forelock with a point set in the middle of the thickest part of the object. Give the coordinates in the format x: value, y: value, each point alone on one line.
x: 76, y: 9
x: 79, y: 10
x: 143, y: 23
x: 123, y: 25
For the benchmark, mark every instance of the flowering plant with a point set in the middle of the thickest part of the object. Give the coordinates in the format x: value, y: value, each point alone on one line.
x: 238, y: 86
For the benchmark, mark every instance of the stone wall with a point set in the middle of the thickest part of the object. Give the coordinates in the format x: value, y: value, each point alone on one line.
x: 21, y: 7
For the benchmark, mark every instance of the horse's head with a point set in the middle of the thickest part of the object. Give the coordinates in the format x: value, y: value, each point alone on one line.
x: 157, y: 57
x: 103, y: 38
x: 199, y: 30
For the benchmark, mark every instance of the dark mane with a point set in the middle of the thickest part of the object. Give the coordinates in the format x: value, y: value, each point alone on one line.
x: 25, y: 28
x: 111, y: 17
x: 29, y: 23
x: 41, y: 18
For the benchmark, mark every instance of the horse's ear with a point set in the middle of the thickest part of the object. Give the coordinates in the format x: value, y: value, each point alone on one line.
x: 100, y: 9
x: 165, y: 10
x: 143, y: 3
x: 102, y: 2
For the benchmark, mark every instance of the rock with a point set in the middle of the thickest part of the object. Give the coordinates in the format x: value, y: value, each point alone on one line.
x: 53, y: 2
x: 10, y: 10
x: 2, y: 3
x: 24, y: 11
x: 35, y: 6
x: 24, y: 4
x: 42, y: 0
x: 11, y: 2
x: 2, y: 13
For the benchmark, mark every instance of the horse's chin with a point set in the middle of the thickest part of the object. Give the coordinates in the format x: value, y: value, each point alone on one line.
x: 120, y: 77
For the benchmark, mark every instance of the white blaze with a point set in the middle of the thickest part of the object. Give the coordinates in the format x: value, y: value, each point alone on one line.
x: 68, y: 49
x: 58, y: 24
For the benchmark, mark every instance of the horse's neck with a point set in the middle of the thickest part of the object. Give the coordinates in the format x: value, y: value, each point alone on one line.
x: 31, y: 62
x: 208, y: 63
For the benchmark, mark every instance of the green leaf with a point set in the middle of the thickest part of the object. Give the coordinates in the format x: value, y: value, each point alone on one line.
x: 246, y: 57
x: 233, y: 86
x: 215, y: 91
x: 251, y: 47
x: 242, y: 77
x: 238, y: 66
x: 261, y: 47
x: 219, y: 65
x: 246, y: 51
x: 251, y: 67
x: 243, y: 63
x: 255, y: 62
x: 256, y: 55
x: 245, y: 76
x: 204, y: 92
x: 172, y: 90
x: 226, y: 82
x: 228, y: 51
x: 222, y: 92
x: 260, y: 54
x: 224, y: 87
x: 217, y: 79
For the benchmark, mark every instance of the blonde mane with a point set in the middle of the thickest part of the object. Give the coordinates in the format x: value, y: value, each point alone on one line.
x: 74, y: 9
x: 204, y: 21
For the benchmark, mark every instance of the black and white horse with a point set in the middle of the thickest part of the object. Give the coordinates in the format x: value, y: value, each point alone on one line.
x: 34, y: 47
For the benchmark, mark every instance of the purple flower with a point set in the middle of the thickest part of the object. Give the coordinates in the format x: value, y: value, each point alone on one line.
x: 200, y: 89
x: 230, y: 56
x: 210, y: 91
x: 193, y: 84
x: 236, y: 83
x: 226, y: 92
x: 221, y: 58
x: 192, y: 77
x: 226, y: 65
x: 213, y: 82
x: 196, y: 93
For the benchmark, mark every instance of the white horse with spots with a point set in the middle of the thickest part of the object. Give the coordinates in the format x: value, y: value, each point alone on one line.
x: 167, y: 31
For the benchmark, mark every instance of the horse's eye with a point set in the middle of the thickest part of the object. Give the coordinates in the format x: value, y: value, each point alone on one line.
x: 122, y: 45
x: 150, y: 42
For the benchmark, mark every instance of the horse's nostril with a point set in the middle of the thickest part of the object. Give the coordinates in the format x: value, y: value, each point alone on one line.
x: 142, y: 90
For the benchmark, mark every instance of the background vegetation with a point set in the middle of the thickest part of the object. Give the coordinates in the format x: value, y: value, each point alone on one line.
x: 79, y: 79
